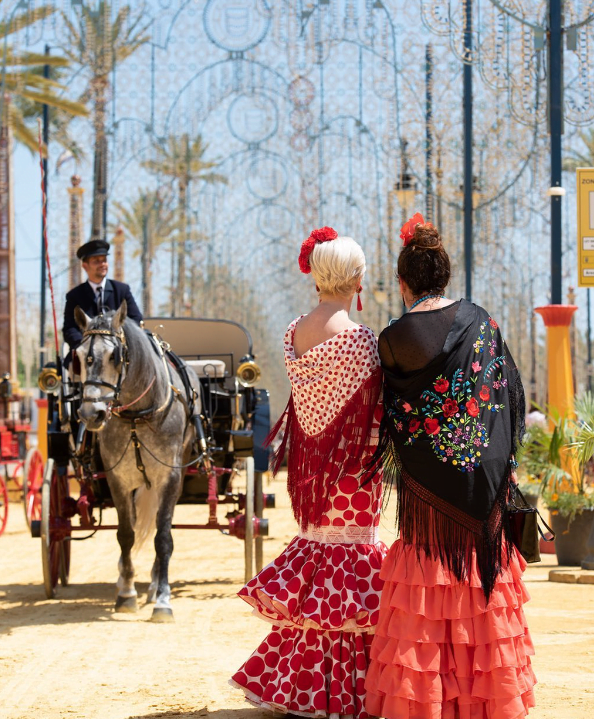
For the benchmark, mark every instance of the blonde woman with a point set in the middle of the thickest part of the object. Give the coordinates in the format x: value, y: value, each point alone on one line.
x: 322, y: 593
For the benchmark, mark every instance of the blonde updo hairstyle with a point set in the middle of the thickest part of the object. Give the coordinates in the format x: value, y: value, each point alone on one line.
x: 337, y: 266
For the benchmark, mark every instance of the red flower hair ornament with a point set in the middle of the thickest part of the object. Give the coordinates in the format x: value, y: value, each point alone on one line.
x: 408, y: 229
x: 324, y: 234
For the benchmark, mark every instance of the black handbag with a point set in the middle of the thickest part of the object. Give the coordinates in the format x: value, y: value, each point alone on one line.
x: 524, y: 526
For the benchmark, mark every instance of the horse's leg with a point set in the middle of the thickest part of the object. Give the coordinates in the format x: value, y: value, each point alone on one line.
x: 164, y: 548
x: 152, y: 590
x: 126, y: 599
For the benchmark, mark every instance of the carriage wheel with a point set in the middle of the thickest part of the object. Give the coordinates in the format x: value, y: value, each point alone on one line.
x: 55, y: 556
x: 249, y: 518
x: 65, y: 562
x: 3, y: 504
x: 15, y: 474
x: 32, y: 481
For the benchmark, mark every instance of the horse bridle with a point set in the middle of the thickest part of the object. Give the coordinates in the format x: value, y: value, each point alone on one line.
x: 120, y: 360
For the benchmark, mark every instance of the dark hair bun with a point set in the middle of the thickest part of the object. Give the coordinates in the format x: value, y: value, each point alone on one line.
x: 427, y: 237
x: 424, y: 263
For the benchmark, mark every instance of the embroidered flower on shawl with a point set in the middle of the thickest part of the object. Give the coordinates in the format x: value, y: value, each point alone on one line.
x: 472, y: 407
x: 431, y: 425
x: 485, y: 393
x: 449, y: 413
x: 450, y: 407
x: 414, y: 425
x: 441, y: 385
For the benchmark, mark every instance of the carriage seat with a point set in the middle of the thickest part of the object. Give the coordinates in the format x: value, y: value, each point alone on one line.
x: 213, y: 368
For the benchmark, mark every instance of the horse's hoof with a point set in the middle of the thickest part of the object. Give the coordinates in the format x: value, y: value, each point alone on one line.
x: 162, y: 615
x: 126, y: 605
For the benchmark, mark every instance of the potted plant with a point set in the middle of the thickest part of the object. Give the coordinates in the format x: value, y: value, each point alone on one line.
x: 560, y: 458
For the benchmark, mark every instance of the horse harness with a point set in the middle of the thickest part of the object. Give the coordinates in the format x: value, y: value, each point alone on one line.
x: 121, y: 361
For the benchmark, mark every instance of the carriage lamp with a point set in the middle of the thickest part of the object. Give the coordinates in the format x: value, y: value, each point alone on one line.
x: 49, y: 380
x: 248, y: 372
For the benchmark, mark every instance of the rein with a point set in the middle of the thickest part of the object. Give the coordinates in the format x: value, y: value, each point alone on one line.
x: 123, y: 407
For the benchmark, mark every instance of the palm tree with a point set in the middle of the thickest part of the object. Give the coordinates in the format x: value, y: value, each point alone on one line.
x: 60, y: 118
x: 149, y: 222
x: 97, y: 43
x: 22, y: 81
x: 182, y: 160
x: 584, y: 158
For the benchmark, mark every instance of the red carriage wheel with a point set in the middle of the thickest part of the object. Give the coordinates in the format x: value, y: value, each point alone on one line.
x: 55, y: 529
x: 65, y: 563
x: 3, y: 504
x: 18, y: 468
x: 32, y: 481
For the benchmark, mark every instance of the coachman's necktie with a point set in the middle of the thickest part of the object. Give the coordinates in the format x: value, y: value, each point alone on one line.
x: 99, y: 300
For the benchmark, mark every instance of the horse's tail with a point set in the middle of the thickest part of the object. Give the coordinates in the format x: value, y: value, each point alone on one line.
x: 146, y: 503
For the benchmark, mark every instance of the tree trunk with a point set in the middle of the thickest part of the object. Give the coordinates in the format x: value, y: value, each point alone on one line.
x: 181, y: 250
x: 99, y: 218
x: 146, y: 300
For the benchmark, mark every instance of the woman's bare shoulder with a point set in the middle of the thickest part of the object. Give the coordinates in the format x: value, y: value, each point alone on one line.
x: 316, y: 328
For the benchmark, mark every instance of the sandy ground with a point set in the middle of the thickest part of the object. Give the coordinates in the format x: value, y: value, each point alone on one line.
x: 73, y: 658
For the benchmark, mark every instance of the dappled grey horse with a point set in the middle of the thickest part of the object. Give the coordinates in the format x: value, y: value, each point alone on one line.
x: 136, y: 399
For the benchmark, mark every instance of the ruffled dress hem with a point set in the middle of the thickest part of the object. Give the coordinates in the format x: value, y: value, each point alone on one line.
x: 442, y: 651
x: 308, y: 672
x: 322, y: 586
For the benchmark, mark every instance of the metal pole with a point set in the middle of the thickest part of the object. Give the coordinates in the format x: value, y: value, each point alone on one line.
x: 556, y: 131
x: 589, y: 344
x: 468, y: 178
x: 45, y: 119
x: 428, y: 131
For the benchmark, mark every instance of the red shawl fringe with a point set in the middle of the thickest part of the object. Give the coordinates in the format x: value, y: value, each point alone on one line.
x: 317, y: 462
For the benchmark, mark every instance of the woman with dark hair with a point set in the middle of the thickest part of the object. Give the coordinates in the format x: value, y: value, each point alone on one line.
x: 452, y: 640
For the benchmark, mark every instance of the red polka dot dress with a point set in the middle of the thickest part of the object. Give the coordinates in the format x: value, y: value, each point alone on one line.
x: 322, y: 594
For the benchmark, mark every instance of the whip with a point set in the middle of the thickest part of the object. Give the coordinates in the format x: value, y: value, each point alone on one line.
x: 47, y: 257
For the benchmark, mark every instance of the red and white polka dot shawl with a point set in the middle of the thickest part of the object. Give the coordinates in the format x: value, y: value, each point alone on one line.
x: 335, y: 388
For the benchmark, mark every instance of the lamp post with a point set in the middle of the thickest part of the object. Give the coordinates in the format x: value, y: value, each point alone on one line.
x: 405, y: 189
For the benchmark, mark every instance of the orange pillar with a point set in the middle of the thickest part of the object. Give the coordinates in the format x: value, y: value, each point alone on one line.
x: 42, y: 427
x: 557, y: 319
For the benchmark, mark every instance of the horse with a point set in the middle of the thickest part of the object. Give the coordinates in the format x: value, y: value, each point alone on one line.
x: 139, y: 403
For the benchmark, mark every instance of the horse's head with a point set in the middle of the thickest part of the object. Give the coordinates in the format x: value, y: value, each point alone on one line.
x: 102, y: 355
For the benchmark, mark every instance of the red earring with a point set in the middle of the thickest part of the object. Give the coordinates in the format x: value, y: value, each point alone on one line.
x: 359, y: 303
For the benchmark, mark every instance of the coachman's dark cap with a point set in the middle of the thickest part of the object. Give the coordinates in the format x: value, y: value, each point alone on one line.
x: 92, y: 248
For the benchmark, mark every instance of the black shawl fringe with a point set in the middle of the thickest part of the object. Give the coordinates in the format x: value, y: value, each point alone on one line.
x: 444, y: 532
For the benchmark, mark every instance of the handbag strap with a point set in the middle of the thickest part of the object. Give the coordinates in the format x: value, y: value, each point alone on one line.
x: 516, y: 490
x: 542, y: 534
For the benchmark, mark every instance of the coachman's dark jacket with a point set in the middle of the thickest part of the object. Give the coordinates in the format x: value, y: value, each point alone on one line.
x: 447, y: 440
x: 83, y: 296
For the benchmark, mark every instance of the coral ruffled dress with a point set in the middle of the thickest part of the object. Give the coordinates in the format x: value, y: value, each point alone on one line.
x: 441, y: 651
x: 322, y: 594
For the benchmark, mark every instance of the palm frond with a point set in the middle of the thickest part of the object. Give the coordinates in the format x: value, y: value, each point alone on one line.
x: 26, y: 19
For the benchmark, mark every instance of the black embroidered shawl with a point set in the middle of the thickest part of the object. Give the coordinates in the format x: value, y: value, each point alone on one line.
x: 447, y: 437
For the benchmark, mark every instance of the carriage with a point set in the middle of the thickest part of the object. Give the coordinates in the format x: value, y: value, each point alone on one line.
x: 20, y: 464
x: 234, y: 417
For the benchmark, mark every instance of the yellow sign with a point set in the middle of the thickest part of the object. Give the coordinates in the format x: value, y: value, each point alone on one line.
x: 585, y: 223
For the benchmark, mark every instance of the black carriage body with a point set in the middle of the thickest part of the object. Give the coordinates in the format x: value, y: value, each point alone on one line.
x: 236, y: 418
